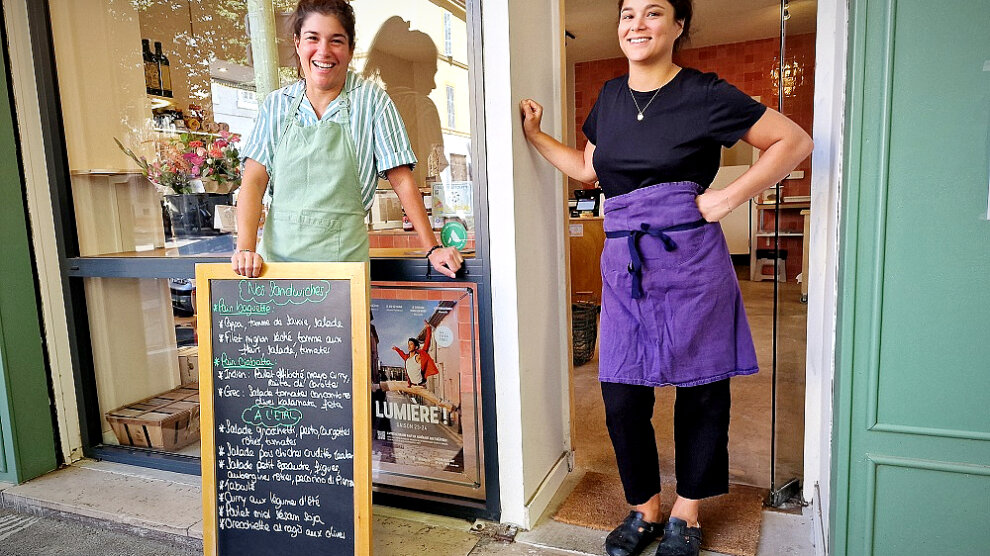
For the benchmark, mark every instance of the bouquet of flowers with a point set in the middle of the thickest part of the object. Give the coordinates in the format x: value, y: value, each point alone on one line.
x: 189, y: 164
x: 217, y: 160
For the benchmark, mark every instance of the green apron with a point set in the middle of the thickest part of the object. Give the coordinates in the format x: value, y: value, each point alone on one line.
x: 316, y: 213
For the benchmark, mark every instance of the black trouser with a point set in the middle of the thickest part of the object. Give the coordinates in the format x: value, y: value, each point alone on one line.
x: 701, y: 439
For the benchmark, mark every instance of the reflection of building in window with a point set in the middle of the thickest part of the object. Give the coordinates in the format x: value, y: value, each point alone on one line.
x: 247, y: 99
x: 458, y: 167
x: 448, y: 43
x: 451, y: 115
x: 237, y: 107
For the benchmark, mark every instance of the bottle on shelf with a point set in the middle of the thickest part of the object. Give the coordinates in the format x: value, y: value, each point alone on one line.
x: 152, y: 81
x: 164, y: 71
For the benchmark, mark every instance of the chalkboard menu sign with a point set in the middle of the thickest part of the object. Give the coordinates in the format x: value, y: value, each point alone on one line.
x: 285, y: 409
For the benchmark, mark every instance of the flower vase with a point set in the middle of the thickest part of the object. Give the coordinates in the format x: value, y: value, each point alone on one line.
x: 211, y: 185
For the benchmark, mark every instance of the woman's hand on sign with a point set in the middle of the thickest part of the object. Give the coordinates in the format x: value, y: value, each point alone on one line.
x: 713, y: 205
x: 247, y: 263
x: 532, y: 115
x: 446, y: 261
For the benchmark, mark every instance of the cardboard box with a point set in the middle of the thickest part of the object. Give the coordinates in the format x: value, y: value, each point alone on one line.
x: 168, y: 421
x: 188, y: 364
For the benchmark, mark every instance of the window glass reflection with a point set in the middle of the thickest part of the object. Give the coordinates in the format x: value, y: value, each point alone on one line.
x: 174, y: 81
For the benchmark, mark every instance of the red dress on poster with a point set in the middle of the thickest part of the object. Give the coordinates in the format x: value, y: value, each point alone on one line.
x: 428, y: 366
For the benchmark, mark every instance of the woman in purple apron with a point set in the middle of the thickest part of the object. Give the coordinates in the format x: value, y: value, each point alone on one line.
x: 672, y: 313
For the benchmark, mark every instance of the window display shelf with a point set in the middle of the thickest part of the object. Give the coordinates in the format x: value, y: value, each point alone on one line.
x: 178, y: 259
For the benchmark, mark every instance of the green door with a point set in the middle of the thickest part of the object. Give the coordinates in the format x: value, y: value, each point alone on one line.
x: 27, y: 441
x: 911, y: 472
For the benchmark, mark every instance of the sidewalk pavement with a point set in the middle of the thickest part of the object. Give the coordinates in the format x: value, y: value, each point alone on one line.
x: 101, y: 508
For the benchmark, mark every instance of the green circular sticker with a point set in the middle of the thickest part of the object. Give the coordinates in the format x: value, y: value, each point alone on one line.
x: 454, y: 234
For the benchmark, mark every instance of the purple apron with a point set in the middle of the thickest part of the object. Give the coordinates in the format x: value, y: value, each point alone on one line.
x: 672, y: 313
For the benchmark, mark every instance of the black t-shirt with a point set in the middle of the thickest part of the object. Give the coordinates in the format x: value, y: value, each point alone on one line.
x: 680, y: 137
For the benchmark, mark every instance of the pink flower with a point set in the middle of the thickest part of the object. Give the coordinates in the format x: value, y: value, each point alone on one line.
x: 200, y: 151
x: 220, y: 143
x: 195, y: 144
x: 224, y: 133
x: 215, y: 152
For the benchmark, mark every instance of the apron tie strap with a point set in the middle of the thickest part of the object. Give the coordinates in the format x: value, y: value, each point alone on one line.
x: 636, y: 258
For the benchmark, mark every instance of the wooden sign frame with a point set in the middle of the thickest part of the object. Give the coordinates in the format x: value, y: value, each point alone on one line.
x: 358, y: 276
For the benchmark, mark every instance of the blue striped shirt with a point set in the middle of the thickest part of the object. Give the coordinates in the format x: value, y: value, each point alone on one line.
x: 380, y: 139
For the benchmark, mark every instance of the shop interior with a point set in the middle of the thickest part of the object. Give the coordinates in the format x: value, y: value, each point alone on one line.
x: 767, y: 49
x: 186, y: 96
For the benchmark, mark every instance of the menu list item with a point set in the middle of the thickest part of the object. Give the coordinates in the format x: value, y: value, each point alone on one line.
x: 283, y: 416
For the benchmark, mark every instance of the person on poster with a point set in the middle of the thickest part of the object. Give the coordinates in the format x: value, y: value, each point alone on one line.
x: 672, y: 312
x: 320, y: 145
x: 379, y: 397
x: 419, y: 364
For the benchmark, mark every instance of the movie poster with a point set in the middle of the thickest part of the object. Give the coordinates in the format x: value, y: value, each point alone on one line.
x: 425, y: 404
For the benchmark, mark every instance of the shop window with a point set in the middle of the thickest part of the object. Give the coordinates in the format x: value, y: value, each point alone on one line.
x: 143, y: 85
x: 177, y: 79
x: 145, y: 362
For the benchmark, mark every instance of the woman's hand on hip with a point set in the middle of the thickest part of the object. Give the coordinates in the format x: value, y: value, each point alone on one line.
x: 713, y: 205
x: 446, y: 261
x: 532, y: 115
x: 247, y: 263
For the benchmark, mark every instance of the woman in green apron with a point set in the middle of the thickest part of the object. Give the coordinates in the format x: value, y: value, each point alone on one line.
x: 321, y: 144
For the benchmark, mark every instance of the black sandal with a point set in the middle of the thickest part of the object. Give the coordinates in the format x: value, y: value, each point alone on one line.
x: 679, y: 539
x: 631, y: 536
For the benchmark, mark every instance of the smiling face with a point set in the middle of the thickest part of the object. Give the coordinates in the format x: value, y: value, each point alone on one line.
x: 324, y: 51
x: 648, y: 29
x: 412, y: 347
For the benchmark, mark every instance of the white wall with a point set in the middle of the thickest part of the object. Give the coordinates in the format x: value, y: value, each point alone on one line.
x: 523, y: 59
x: 823, y: 258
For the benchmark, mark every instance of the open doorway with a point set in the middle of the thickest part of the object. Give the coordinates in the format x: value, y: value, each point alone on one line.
x: 766, y: 48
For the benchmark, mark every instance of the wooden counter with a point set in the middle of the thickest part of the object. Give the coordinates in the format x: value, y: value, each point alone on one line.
x: 180, y: 252
x: 587, y: 240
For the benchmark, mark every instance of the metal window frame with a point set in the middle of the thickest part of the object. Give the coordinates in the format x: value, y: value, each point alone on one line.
x: 75, y: 269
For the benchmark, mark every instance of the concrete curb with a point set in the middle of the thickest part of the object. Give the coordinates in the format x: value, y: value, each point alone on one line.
x: 33, y: 507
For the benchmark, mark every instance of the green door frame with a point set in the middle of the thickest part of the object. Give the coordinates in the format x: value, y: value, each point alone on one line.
x: 27, y: 430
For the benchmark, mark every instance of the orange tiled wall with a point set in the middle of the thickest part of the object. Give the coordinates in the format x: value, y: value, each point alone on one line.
x: 746, y: 65
x: 399, y: 238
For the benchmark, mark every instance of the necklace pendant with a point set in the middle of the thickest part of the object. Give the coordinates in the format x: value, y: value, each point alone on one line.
x: 639, y: 116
